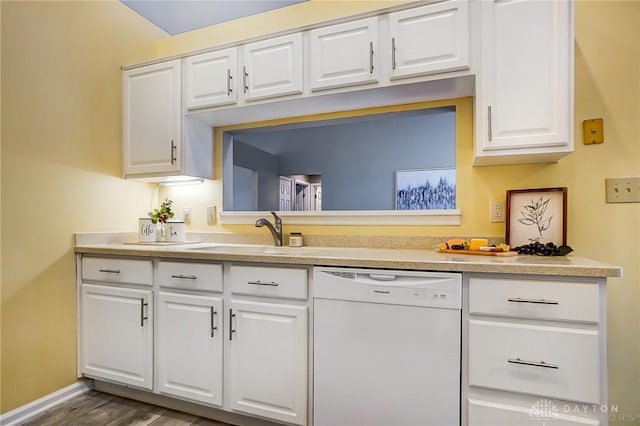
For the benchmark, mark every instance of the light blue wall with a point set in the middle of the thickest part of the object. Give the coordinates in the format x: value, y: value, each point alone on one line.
x: 358, y: 160
x: 266, y: 167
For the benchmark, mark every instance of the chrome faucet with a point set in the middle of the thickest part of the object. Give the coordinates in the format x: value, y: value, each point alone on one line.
x: 276, y: 230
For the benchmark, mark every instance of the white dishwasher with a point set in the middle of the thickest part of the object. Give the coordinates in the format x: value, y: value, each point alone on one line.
x: 386, y: 347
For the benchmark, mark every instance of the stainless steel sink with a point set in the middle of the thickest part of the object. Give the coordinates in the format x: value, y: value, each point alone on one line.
x: 250, y: 249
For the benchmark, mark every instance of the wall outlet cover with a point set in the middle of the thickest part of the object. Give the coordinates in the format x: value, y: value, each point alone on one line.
x: 497, y: 212
x: 593, y: 131
x: 211, y: 215
x: 186, y: 215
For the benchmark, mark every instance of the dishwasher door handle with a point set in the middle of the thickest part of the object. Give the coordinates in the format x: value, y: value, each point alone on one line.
x: 382, y: 277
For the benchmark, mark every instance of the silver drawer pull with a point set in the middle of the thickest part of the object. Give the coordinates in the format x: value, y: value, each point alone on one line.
x: 272, y: 283
x: 185, y: 277
x: 110, y: 271
x: 541, y: 364
x: 536, y: 301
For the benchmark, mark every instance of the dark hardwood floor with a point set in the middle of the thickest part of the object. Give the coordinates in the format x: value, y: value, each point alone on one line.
x: 97, y: 408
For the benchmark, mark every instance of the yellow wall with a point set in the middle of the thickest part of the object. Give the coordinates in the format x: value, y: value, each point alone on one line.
x: 61, y: 167
x: 61, y: 148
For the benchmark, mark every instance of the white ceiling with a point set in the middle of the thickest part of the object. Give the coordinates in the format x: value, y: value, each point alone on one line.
x: 178, y: 16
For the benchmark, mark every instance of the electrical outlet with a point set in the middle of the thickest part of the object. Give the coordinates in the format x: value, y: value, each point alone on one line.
x: 497, y: 211
x: 623, y: 190
x: 186, y: 215
x: 211, y: 215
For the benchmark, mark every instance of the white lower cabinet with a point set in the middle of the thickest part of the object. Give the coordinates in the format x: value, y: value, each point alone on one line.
x: 268, y: 360
x: 536, y: 350
x: 116, y: 338
x: 268, y: 343
x: 240, y: 347
x: 190, y: 339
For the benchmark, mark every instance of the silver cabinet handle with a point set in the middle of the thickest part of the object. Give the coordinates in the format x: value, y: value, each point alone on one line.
x: 173, y: 152
x: 393, y: 53
x: 271, y: 284
x: 370, y: 57
x: 536, y: 301
x: 229, y: 78
x: 231, y: 329
x: 110, y: 271
x: 245, y: 78
x: 490, y: 133
x: 143, y: 315
x: 213, y: 321
x: 185, y: 277
x: 541, y: 364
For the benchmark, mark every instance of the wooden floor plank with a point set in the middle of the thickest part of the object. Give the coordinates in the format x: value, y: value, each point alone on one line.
x: 174, y: 418
x: 72, y: 410
x: 97, y: 408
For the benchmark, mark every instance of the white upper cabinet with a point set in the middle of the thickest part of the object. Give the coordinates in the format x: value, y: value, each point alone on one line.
x: 524, y: 91
x: 272, y: 67
x: 152, y: 130
x: 429, y: 39
x: 159, y: 144
x: 344, y: 54
x: 210, y: 79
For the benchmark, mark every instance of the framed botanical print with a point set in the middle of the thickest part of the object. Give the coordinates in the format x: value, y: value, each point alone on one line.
x: 536, y: 215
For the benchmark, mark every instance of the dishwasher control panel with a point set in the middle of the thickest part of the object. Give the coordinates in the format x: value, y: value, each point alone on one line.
x: 414, y: 288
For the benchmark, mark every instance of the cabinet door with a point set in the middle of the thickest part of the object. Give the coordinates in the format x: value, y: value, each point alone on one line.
x: 526, y: 81
x: 116, y: 334
x: 273, y: 67
x: 430, y: 39
x: 190, y: 336
x: 210, y: 79
x: 268, y: 360
x: 152, y: 128
x: 344, y: 54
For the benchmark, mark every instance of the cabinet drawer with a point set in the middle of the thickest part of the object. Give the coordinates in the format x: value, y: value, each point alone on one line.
x: 555, y: 362
x: 190, y: 276
x: 125, y: 271
x: 489, y: 413
x: 546, y: 300
x: 269, y: 282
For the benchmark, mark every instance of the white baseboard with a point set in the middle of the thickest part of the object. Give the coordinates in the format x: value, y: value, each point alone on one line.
x: 32, y: 409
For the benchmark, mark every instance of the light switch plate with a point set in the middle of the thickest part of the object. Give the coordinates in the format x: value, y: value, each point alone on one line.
x: 623, y: 190
x: 593, y: 131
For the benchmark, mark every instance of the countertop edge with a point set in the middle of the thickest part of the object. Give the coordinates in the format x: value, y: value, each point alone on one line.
x: 379, y: 258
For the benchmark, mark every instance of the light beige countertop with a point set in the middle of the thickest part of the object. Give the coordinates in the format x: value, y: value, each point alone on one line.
x: 223, y: 247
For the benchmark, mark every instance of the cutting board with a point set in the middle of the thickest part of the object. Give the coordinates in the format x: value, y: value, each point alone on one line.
x: 480, y: 253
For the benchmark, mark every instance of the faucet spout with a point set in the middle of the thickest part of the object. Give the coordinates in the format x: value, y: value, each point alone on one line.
x: 275, y: 228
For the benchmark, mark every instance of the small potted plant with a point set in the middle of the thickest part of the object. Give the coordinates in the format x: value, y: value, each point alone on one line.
x: 161, y: 216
